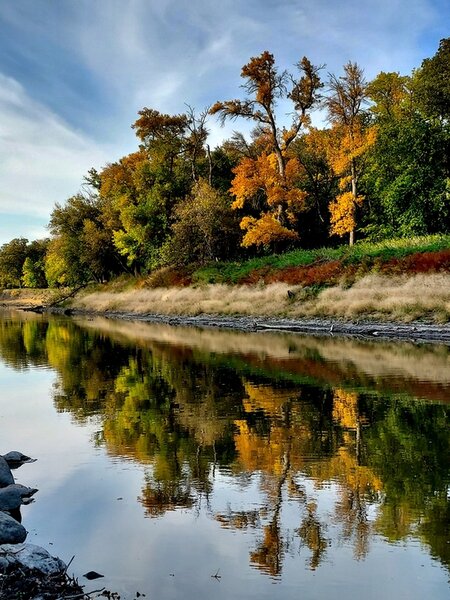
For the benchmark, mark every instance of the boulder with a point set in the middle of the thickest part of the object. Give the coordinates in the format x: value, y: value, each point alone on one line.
x: 16, y: 459
x: 6, y: 477
x: 32, y: 557
x: 11, y: 532
x: 14, y: 495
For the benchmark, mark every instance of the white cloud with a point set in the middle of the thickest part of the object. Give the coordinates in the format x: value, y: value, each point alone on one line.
x: 42, y: 160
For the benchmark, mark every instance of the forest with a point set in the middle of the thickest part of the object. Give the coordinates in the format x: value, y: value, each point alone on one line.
x: 378, y: 168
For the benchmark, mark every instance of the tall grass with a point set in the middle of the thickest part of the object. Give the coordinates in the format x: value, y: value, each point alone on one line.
x: 400, y: 297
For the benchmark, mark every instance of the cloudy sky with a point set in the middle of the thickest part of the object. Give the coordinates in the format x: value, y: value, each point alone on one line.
x: 74, y: 73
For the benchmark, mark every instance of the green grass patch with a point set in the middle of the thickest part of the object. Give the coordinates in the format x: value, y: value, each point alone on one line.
x: 364, y: 253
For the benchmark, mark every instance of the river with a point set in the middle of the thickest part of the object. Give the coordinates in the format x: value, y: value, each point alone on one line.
x: 183, y: 463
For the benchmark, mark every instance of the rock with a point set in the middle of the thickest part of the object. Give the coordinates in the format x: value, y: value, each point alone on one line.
x: 32, y: 557
x: 14, y: 495
x: 92, y: 575
x: 6, y: 477
x: 16, y: 459
x: 11, y: 532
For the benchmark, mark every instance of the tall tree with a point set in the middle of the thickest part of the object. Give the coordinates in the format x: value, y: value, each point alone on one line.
x: 265, y: 86
x: 345, y: 105
x: 431, y: 84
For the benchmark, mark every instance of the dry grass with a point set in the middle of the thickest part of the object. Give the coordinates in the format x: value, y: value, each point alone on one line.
x: 400, y: 297
x: 209, y: 299
x: 27, y: 297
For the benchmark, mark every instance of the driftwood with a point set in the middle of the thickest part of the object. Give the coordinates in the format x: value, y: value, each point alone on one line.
x: 53, y: 305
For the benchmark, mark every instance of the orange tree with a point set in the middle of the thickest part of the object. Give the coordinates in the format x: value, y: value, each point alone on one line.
x: 268, y: 182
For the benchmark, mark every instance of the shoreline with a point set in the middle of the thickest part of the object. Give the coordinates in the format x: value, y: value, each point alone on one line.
x: 415, y: 332
x: 404, y: 308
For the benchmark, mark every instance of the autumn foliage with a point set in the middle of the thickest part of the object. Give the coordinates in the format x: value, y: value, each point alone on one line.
x: 377, y: 170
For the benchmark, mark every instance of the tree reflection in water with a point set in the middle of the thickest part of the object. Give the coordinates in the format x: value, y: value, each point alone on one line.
x: 289, y: 419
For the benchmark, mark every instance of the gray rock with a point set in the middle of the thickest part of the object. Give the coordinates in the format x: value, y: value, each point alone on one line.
x: 16, y: 459
x: 6, y: 477
x: 32, y: 557
x: 11, y: 532
x: 14, y: 495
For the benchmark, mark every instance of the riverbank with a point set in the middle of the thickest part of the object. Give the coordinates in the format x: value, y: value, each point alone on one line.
x: 391, y: 307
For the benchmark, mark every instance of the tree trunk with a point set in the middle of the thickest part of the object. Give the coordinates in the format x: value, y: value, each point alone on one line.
x: 355, y: 196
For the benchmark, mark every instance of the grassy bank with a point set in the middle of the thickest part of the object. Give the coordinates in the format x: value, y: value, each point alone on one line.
x: 401, y: 298
x: 398, y: 280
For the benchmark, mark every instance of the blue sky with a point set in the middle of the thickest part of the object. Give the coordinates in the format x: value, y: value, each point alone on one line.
x: 74, y: 73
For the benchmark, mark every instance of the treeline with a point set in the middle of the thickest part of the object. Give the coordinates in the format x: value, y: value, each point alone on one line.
x: 379, y: 169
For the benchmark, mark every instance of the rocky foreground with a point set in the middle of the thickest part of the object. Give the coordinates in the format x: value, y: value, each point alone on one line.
x: 27, y: 571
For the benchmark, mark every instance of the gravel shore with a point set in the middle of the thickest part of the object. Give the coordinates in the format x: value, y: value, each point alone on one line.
x: 416, y: 331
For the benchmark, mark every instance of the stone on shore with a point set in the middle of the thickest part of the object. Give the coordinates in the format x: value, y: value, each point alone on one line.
x: 16, y: 459
x: 11, y: 532
x: 6, y: 477
x: 31, y: 557
x: 14, y: 495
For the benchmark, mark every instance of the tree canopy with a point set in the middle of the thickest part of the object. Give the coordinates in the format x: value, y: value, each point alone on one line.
x: 379, y: 167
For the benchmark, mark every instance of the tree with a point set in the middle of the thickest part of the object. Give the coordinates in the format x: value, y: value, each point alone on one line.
x: 85, y: 247
x: 408, y: 164
x: 319, y: 182
x: 431, y: 84
x: 137, y: 194
x: 265, y: 86
x: 345, y: 102
x: 12, y: 258
x: 174, y: 135
x: 277, y: 200
x: 205, y: 227
x: 391, y: 96
x: 408, y: 177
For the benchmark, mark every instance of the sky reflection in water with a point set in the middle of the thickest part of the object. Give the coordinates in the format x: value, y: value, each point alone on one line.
x: 287, y: 466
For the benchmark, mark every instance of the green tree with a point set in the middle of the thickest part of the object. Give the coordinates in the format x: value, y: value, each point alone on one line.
x: 431, y: 84
x: 205, y: 227
x: 33, y: 270
x: 12, y: 258
x: 84, y: 250
x: 409, y: 168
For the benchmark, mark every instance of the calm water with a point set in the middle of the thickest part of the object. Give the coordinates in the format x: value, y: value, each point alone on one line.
x: 285, y: 466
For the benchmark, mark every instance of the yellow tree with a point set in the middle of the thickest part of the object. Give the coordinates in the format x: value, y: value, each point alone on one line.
x: 258, y: 181
x: 346, y: 112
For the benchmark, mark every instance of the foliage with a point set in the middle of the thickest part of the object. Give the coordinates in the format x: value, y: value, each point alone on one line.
x: 269, y: 180
x: 380, y: 167
x: 81, y: 249
x: 431, y: 84
x: 12, y: 257
x: 205, y: 228
x: 349, y: 145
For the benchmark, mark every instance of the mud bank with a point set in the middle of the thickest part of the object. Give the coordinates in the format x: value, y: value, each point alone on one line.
x: 415, y: 332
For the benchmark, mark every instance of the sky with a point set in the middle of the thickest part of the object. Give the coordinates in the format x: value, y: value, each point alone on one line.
x: 75, y: 73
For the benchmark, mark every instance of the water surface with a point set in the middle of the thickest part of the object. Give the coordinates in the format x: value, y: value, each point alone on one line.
x: 187, y: 463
